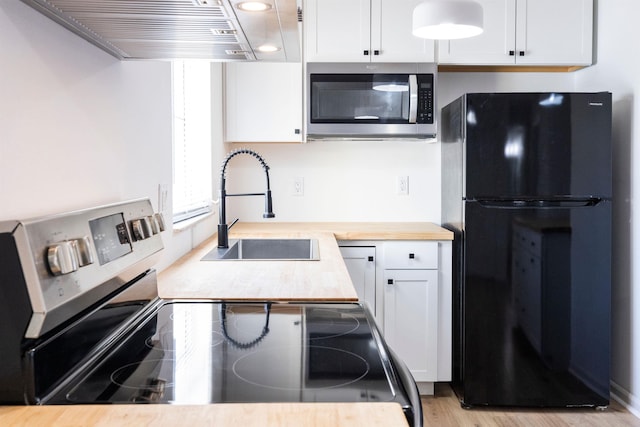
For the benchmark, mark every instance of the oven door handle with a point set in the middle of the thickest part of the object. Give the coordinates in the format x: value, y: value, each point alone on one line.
x: 413, y: 98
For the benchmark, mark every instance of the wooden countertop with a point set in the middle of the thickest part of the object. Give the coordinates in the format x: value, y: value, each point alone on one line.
x: 352, y: 230
x: 230, y: 414
x: 324, y: 280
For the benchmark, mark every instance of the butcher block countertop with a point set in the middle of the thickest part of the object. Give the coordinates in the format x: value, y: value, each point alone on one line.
x: 230, y: 414
x: 351, y: 230
x: 324, y: 280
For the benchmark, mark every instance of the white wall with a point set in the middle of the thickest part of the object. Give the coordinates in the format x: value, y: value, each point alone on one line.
x: 343, y: 181
x: 78, y: 128
x: 618, y: 71
x: 75, y: 121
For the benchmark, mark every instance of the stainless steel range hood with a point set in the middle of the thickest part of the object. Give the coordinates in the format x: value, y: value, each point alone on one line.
x: 180, y: 29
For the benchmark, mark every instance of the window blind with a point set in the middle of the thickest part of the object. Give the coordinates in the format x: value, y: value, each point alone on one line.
x: 192, y: 183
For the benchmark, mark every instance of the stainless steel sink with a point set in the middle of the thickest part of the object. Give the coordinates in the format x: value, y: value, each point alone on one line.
x: 267, y: 249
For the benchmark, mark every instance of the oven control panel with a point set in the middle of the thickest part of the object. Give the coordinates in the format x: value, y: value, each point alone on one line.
x: 70, y: 261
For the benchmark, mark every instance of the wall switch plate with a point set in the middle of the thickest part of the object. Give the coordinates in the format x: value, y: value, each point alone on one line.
x: 402, y: 185
x: 298, y: 186
x: 163, y: 196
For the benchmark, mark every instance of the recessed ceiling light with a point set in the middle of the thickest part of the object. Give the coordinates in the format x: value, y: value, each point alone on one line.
x: 253, y: 6
x: 268, y: 48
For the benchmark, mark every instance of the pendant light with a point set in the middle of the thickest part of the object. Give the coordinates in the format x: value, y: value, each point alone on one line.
x: 447, y: 19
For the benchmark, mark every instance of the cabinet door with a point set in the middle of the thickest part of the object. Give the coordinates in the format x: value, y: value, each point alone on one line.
x: 263, y: 102
x: 391, y: 37
x: 494, y: 46
x: 411, y: 319
x: 337, y: 30
x: 360, y: 262
x: 554, y: 32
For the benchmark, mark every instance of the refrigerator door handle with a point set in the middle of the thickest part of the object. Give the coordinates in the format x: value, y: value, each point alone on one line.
x: 540, y: 203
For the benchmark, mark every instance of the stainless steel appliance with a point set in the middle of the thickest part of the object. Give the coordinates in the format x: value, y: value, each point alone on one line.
x: 371, y: 101
x: 103, y: 336
x: 182, y: 29
x: 527, y: 192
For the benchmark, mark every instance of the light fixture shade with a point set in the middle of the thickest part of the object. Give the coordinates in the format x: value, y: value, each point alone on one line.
x: 447, y: 19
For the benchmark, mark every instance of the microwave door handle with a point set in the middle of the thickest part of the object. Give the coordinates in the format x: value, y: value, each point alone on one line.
x: 413, y: 98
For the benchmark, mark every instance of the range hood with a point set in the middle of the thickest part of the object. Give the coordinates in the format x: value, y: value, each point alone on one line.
x: 181, y: 29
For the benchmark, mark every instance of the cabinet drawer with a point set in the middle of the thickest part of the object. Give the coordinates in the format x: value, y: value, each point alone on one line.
x: 411, y: 255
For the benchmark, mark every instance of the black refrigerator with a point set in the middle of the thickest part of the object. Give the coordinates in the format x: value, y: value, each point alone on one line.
x: 526, y: 189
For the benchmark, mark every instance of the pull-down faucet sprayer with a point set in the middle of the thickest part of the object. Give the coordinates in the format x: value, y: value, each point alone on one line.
x: 223, y: 228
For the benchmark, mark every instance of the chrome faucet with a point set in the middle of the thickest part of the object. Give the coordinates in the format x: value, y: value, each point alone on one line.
x: 223, y: 228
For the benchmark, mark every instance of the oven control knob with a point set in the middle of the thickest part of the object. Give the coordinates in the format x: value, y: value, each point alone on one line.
x: 155, y: 228
x: 83, y: 251
x: 160, y: 220
x: 141, y: 229
x: 62, y: 258
x: 137, y: 230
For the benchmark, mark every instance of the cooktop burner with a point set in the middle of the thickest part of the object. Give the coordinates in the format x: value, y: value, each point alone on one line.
x: 206, y: 352
x: 342, y: 367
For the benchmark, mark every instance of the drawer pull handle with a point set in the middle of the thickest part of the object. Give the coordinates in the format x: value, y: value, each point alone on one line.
x: 412, y: 256
x: 370, y: 259
x: 390, y: 282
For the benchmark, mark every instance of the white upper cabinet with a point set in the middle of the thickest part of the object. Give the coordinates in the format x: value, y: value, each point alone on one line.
x: 527, y: 32
x: 363, y: 31
x: 263, y: 102
x: 391, y: 33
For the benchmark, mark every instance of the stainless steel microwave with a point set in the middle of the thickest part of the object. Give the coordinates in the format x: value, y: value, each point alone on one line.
x: 371, y: 101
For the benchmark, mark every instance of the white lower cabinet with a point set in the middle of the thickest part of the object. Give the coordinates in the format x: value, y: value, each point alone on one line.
x: 407, y: 285
x: 360, y: 262
x: 411, y: 319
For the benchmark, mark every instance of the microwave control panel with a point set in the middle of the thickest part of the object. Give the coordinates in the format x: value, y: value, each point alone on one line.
x: 425, y: 99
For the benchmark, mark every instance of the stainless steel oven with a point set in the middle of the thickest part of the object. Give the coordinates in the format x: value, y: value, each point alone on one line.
x: 371, y: 101
x: 81, y: 323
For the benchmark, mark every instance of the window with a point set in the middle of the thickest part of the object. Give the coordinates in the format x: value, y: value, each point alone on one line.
x: 192, y: 183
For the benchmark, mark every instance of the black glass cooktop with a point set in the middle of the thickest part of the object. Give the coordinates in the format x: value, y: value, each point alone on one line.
x: 204, y: 352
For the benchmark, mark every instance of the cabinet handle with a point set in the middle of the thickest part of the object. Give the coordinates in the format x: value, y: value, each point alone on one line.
x: 376, y: 52
x: 390, y: 282
x: 512, y: 53
x: 366, y: 52
x: 296, y: 131
x: 370, y: 259
x: 412, y: 256
x: 521, y: 53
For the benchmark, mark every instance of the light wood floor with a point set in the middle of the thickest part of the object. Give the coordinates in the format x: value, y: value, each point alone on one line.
x: 443, y: 410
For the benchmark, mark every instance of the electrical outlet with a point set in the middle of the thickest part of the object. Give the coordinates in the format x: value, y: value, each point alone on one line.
x: 402, y: 185
x: 298, y: 186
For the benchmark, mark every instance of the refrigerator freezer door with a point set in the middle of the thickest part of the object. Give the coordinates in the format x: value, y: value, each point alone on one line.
x: 537, y: 145
x: 536, y: 304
